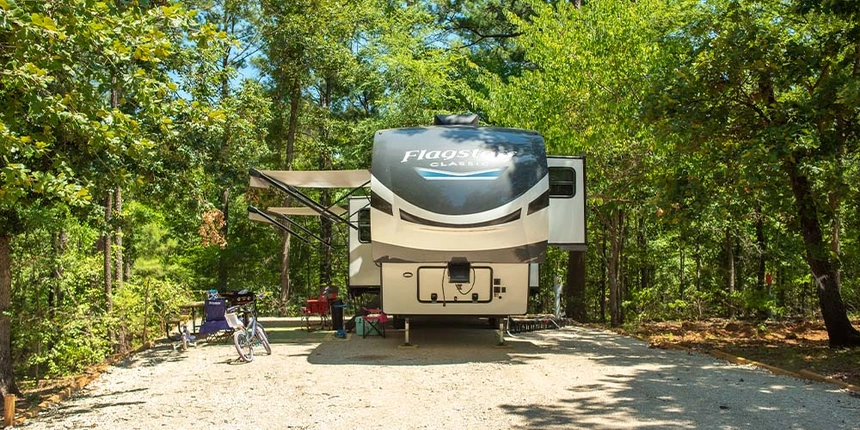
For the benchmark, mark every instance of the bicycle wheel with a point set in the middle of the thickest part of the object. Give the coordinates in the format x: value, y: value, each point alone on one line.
x: 261, y: 334
x: 243, y: 345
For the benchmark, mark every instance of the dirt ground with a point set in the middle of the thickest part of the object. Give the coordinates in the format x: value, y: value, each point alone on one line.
x: 792, y: 346
x: 453, y: 377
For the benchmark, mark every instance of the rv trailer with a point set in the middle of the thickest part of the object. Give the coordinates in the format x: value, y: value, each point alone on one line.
x: 457, y: 219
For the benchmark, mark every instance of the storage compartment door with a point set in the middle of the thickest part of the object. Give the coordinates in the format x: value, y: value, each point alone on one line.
x: 433, y: 286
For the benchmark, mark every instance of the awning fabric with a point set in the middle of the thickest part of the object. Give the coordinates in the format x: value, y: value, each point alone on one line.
x: 304, y: 211
x: 315, y: 178
x: 257, y: 217
x: 293, y: 211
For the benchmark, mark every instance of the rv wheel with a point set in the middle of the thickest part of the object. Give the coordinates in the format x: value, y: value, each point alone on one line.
x: 399, y: 322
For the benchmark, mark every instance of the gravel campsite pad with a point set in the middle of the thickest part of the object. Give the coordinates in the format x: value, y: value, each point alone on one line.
x: 456, y: 378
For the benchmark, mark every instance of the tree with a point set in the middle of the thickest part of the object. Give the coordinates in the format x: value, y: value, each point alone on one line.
x: 336, y: 74
x: 589, y: 73
x: 60, y: 136
x: 235, y: 143
x: 778, y: 83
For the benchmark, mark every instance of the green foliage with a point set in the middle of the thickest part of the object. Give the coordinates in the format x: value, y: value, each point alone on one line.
x: 58, y: 320
x: 56, y: 119
x: 142, y: 310
x: 66, y: 344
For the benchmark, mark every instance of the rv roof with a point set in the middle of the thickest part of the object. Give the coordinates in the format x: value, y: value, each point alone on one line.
x: 316, y: 178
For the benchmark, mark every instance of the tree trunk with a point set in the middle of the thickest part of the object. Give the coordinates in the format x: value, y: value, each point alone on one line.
x: 682, y: 281
x: 223, y: 260
x: 642, y: 244
x: 286, y: 164
x: 730, y: 273
x: 603, y: 272
x: 229, y: 25
x: 55, y: 299
x: 106, y: 240
x: 119, y: 263
x: 325, y: 194
x: 114, y: 104
x: 325, y: 234
x: 576, y: 286
x: 614, y: 260
x: 7, y: 377
x: 697, y: 255
x: 839, y: 329
x: 284, y: 296
x: 740, y: 279
x: 293, y: 123
x: 835, y: 225
x: 624, y: 286
x: 761, y: 287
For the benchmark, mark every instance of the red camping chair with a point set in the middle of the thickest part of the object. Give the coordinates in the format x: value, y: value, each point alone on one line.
x: 316, y: 308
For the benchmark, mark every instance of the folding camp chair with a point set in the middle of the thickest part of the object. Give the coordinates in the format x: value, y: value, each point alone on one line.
x: 214, y: 320
x: 316, y: 308
x: 374, y: 322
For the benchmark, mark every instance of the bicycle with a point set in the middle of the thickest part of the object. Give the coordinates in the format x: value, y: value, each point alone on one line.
x: 247, y: 334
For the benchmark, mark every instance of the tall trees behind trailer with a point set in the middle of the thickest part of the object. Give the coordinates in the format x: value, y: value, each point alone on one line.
x: 312, y: 71
x: 579, y: 59
x: 688, y: 119
x: 767, y: 89
x: 338, y: 72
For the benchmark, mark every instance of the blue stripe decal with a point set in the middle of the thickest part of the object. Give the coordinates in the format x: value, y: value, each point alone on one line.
x: 442, y: 175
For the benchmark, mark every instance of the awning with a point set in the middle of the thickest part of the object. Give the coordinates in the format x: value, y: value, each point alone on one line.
x: 304, y: 211
x: 289, y: 182
x: 255, y: 214
x: 315, y: 178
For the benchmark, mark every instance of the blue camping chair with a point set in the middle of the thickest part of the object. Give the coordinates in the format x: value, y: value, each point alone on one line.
x: 213, y: 311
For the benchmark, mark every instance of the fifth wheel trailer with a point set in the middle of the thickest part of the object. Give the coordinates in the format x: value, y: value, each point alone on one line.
x: 457, y: 218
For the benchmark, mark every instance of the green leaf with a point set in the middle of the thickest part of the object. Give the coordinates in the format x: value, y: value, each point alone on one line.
x: 43, y: 21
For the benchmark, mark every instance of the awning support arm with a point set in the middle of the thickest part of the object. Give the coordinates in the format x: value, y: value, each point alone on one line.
x: 304, y: 229
x: 351, y: 193
x: 359, y: 209
x: 301, y: 197
x: 279, y: 225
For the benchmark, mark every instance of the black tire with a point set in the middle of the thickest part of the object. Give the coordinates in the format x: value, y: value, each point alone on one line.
x: 399, y: 323
x: 264, y: 339
x: 243, y: 346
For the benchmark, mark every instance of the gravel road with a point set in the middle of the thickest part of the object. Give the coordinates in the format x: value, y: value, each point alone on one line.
x: 456, y: 378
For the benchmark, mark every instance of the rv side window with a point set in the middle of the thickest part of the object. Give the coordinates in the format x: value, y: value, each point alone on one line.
x: 364, y: 225
x: 562, y: 182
